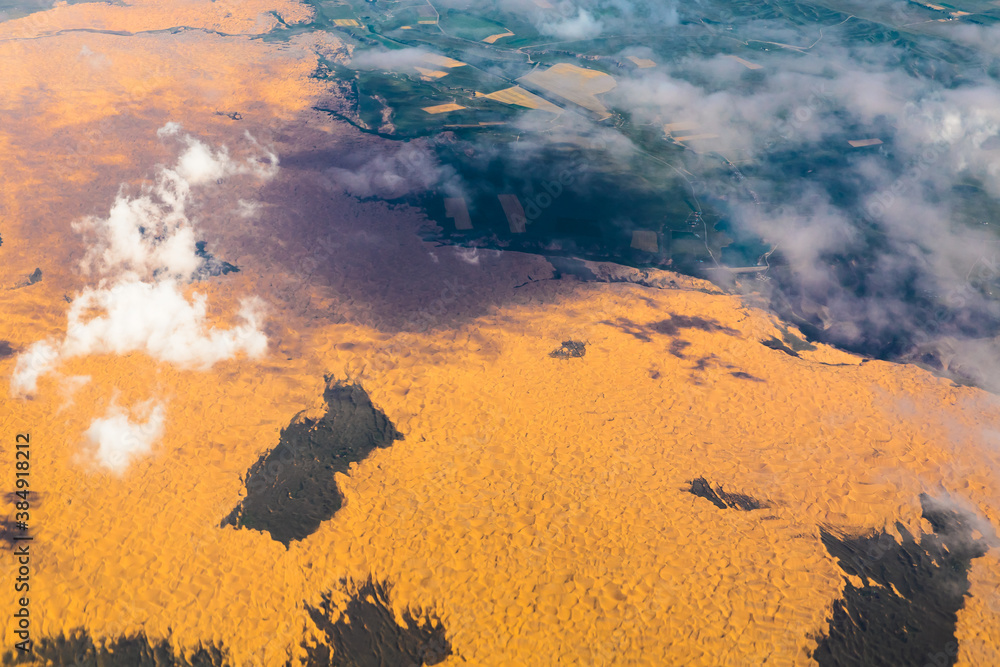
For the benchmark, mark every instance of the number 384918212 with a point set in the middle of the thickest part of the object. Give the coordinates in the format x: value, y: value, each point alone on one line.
x: 22, y: 463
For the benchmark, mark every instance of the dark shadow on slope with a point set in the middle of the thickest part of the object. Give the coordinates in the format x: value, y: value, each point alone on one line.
x: 6, y: 350
x: 906, y: 610
x: 79, y: 650
x: 776, y: 344
x: 368, y: 253
x: 794, y: 342
x: 29, y: 280
x: 291, y: 490
x: 569, y: 349
x: 12, y: 531
x: 723, y: 500
x: 367, y: 634
x: 9, y: 532
x: 702, y: 364
x: 210, y: 266
x: 677, y: 347
x: 742, y: 375
x: 672, y: 326
x: 570, y: 266
x: 363, y: 220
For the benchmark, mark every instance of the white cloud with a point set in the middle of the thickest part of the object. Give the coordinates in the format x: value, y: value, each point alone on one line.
x: 143, y: 253
x: 151, y: 233
x: 171, y: 129
x: 586, y: 19
x: 157, y: 318
x: 39, y: 359
x: 394, y: 60
x: 412, y: 167
x: 116, y: 439
x: 468, y: 255
x: 582, y: 26
x: 199, y: 165
x: 248, y: 209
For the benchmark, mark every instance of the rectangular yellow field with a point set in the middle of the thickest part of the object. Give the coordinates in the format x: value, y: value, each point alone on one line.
x: 442, y: 61
x: 493, y: 38
x: 515, y: 213
x: 642, y: 63
x: 644, y: 239
x: 430, y: 73
x: 695, y: 137
x: 682, y: 126
x: 861, y: 143
x: 443, y: 108
x: 456, y: 209
x: 346, y: 23
x: 576, y: 84
x: 518, y: 96
x: 737, y: 269
x: 479, y: 124
x: 745, y: 63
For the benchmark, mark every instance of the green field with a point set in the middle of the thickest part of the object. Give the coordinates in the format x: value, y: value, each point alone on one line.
x: 655, y: 185
x: 468, y: 26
